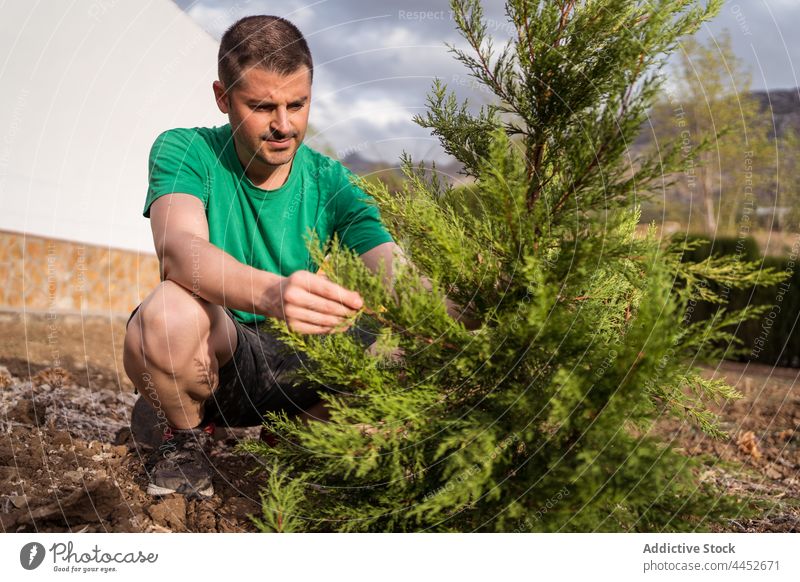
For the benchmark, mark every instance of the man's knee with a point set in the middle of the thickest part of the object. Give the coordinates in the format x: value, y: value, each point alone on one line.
x: 168, y: 327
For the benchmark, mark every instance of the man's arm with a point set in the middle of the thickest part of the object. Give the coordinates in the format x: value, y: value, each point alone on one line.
x: 309, y: 303
x: 388, y: 253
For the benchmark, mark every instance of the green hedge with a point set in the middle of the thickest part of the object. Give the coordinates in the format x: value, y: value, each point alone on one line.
x: 773, y: 338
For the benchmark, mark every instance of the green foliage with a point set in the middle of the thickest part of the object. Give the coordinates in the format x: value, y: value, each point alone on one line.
x: 772, y: 291
x: 280, y: 503
x: 788, y: 194
x: 541, y: 418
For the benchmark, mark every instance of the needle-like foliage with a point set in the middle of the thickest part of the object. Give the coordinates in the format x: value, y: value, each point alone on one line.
x: 540, y: 419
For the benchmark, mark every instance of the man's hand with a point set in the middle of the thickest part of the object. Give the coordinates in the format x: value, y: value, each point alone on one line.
x: 311, y: 303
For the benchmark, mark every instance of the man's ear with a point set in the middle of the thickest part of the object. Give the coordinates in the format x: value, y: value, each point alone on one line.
x: 221, y: 97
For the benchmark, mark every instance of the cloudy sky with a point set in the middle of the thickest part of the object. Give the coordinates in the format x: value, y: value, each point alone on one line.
x: 375, y: 60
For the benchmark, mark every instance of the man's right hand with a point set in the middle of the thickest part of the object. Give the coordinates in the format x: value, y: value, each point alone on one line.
x: 311, y: 303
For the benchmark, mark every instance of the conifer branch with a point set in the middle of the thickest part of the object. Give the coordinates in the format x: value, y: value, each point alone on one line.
x: 584, y: 339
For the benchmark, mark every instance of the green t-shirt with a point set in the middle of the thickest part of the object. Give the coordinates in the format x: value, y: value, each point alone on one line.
x: 263, y: 228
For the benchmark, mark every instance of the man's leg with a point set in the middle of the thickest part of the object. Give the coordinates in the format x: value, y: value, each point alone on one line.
x: 317, y: 412
x: 174, y: 346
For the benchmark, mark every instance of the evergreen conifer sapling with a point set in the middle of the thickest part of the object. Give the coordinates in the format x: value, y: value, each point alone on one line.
x: 540, y: 419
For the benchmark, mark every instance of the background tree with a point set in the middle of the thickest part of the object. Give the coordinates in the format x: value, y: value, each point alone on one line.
x: 540, y: 419
x: 709, y: 97
x: 788, y: 181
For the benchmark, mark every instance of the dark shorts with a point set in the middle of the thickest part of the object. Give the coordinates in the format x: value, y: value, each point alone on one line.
x: 259, y: 378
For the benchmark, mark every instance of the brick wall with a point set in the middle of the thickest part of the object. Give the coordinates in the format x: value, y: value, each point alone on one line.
x: 42, y: 274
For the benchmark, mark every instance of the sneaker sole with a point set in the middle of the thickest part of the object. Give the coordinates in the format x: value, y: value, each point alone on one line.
x: 153, y: 489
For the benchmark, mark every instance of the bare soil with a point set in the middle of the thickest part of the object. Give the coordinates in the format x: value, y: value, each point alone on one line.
x: 65, y: 403
x: 65, y: 464
x: 760, y: 460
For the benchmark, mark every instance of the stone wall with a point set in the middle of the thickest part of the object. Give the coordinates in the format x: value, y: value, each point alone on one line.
x: 43, y: 274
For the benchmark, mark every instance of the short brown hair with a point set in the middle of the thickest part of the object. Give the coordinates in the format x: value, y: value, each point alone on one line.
x: 268, y: 42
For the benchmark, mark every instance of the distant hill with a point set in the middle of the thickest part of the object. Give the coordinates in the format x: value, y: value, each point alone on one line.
x: 785, y: 106
x: 358, y: 164
x: 783, y: 103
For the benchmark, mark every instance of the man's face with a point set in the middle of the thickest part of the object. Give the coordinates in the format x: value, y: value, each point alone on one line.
x: 268, y: 113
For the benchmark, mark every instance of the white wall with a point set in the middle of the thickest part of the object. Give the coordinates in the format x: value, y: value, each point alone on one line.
x: 85, y: 87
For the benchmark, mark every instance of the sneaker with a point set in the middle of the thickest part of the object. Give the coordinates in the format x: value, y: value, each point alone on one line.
x: 182, y: 463
x: 144, y: 433
x: 146, y: 428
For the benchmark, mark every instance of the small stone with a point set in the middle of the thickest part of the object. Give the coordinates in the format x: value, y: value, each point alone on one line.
x: 241, y: 505
x: 6, y: 379
x: 8, y: 475
x: 170, y: 512
x: 221, y: 433
x: 19, y: 501
x: 74, y: 476
x: 61, y: 438
x: 29, y: 411
x: 54, y: 377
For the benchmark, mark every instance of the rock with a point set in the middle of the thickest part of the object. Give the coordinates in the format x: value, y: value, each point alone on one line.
x: 29, y: 411
x: 61, y: 438
x: 54, y: 377
x: 170, y: 512
x: 123, y: 437
x: 8, y: 476
x: 241, y: 506
x: 222, y: 433
x: 6, y: 379
x: 138, y: 521
x: 203, y: 514
x: 74, y: 476
x: 92, y: 502
x: 18, y: 501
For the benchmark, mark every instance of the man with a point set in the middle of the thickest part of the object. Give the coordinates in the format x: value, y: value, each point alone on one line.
x: 229, y: 207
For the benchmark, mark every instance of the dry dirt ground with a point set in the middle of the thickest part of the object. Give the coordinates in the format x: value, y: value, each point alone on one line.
x: 64, y: 398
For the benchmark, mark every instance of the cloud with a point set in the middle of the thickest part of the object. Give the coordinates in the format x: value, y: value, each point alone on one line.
x: 375, y: 59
